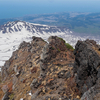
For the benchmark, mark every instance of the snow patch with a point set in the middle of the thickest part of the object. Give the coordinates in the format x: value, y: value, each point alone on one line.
x: 30, y: 94
x: 21, y: 99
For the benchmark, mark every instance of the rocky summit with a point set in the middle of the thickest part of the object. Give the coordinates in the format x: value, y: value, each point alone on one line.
x: 52, y: 70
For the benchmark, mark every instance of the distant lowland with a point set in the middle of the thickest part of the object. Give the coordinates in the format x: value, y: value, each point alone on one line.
x: 84, y: 23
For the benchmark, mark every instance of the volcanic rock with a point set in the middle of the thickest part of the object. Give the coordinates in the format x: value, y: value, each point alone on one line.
x: 86, y: 66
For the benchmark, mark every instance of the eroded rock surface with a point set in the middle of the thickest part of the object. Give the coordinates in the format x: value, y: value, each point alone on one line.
x: 51, y: 71
x: 22, y: 68
x: 87, y: 68
x: 40, y: 69
x: 55, y: 70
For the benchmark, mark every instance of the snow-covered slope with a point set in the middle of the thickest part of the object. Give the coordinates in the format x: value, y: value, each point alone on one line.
x: 13, y: 33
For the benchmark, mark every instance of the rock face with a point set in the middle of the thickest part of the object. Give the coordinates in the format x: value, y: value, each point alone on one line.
x: 41, y: 69
x: 87, y: 67
x: 55, y: 70
x: 22, y: 68
x: 51, y: 71
x: 92, y: 94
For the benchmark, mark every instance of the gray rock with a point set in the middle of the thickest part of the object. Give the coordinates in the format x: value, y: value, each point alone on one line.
x: 35, y: 84
x: 15, y: 68
x: 68, y: 74
x: 86, y: 64
x: 6, y: 96
x: 35, y: 95
x: 61, y: 74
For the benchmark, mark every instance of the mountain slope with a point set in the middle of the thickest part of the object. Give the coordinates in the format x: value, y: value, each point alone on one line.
x: 13, y: 33
x: 38, y: 70
x: 51, y: 71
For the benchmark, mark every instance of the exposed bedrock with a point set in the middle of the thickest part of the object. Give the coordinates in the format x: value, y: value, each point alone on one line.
x: 87, y: 65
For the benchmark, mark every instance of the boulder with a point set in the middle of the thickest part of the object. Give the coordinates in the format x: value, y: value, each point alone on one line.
x: 86, y: 64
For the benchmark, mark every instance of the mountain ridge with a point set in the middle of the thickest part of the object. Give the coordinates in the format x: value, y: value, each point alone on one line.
x: 29, y: 26
x: 13, y: 33
x: 41, y: 70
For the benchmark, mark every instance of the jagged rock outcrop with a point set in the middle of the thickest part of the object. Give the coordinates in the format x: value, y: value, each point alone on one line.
x: 56, y: 67
x: 93, y: 93
x: 87, y: 67
x: 22, y: 68
x: 55, y: 46
x: 51, y: 71
x: 39, y: 70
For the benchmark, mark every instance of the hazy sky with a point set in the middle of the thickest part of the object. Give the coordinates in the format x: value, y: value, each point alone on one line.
x: 17, y: 8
